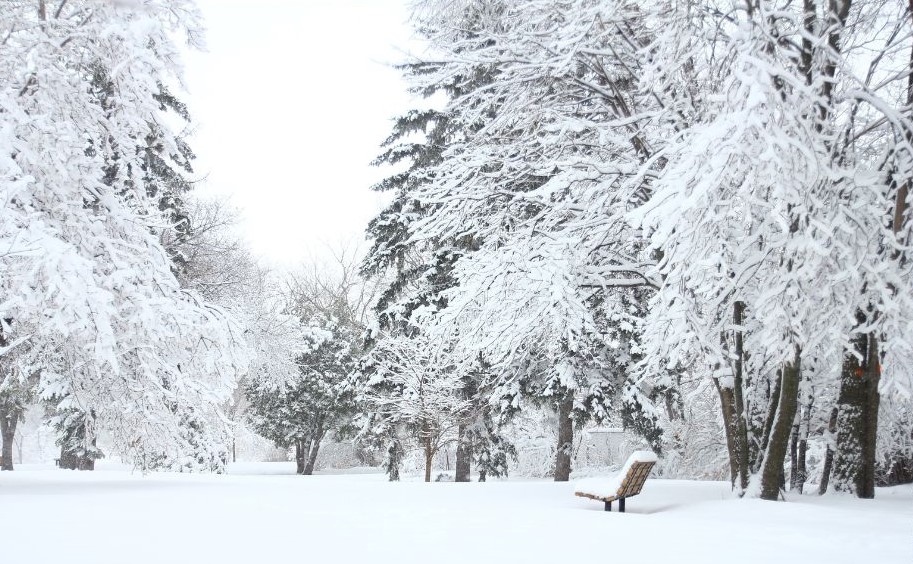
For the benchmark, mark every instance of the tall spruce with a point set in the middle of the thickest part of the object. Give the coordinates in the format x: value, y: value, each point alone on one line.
x: 419, y: 271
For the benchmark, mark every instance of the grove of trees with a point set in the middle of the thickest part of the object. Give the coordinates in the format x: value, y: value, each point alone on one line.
x: 686, y: 218
x: 621, y: 204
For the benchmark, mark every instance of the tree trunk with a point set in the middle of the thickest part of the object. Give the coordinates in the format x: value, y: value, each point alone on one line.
x: 857, y: 419
x: 828, y: 454
x: 299, y: 456
x: 870, y: 439
x: 771, y: 414
x: 565, y: 438
x: 429, y: 458
x: 727, y: 406
x: 778, y: 441
x: 794, y: 457
x: 312, y: 454
x: 804, y: 422
x: 463, y: 455
x: 736, y: 429
x: 8, y: 423
x: 801, y: 471
x: 741, y: 420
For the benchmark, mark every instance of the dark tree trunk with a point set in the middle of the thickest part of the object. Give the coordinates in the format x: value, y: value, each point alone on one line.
x: 463, y: 455
x: 801, y: 471
x: 828, y: 454
x: 778, y: 441
x: 857, y: 420
x: 794, y: 457
x: 9, y: 419
x: 87, y: 462
x: 429, y: 458
x: 727, y: 406
x: 802, y: 447
x: 299, y: 456
x: 741, y: 421
x: 312, y: 454
x: 866, y: 488
x: 736, y: 429
x: 8, y: 423
x: 850, y: 405
x: 565, y: 438
x: 771, y: 414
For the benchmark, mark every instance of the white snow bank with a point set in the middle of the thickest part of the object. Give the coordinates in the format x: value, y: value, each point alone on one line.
x: 608, y: 486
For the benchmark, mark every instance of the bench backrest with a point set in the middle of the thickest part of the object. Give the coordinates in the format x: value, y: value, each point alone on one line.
x: 634, y: 480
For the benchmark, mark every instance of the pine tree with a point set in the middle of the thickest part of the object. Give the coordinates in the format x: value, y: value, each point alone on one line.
x: 303, y: 410
x: 77, y: 438
x: 551, y: 283
x: 417, y: 272
x: 319, y: 398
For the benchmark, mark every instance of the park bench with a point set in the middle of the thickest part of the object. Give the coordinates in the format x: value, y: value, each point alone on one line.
x: 627, y: 483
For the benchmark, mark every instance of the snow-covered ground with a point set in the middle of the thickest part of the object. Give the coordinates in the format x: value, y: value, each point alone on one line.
x: 259, y: 514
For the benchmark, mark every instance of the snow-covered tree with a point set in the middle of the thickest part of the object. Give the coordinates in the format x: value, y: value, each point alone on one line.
x: 412, y: 390
x: 547, y: 160
x: 771, y: 214
x: 83, y: 266
x: 302, y: 410
x: 332, y: 303
x: 670, y: 193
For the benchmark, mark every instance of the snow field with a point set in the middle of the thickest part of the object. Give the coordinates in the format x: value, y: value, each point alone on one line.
x: 119, y: 517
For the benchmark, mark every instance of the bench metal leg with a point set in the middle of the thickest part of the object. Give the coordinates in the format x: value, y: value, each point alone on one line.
x: 621, y: 505
x: 608, y: 506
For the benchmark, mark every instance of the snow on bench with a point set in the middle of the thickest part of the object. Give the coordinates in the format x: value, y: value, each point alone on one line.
x: 626, y: 483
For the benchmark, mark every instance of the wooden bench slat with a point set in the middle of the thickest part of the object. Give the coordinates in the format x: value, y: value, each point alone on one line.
x: 596, y: 497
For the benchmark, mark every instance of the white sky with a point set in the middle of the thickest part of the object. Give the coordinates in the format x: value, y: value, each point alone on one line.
x: 291, y: 102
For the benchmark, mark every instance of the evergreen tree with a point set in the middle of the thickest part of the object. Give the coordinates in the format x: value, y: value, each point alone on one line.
x: 417, y: 272
x: 548, y: 294
x: 77, y: 438
x: 301, y: 410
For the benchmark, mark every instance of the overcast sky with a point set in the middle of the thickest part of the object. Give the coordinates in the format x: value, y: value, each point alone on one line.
x: 291, y: 101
